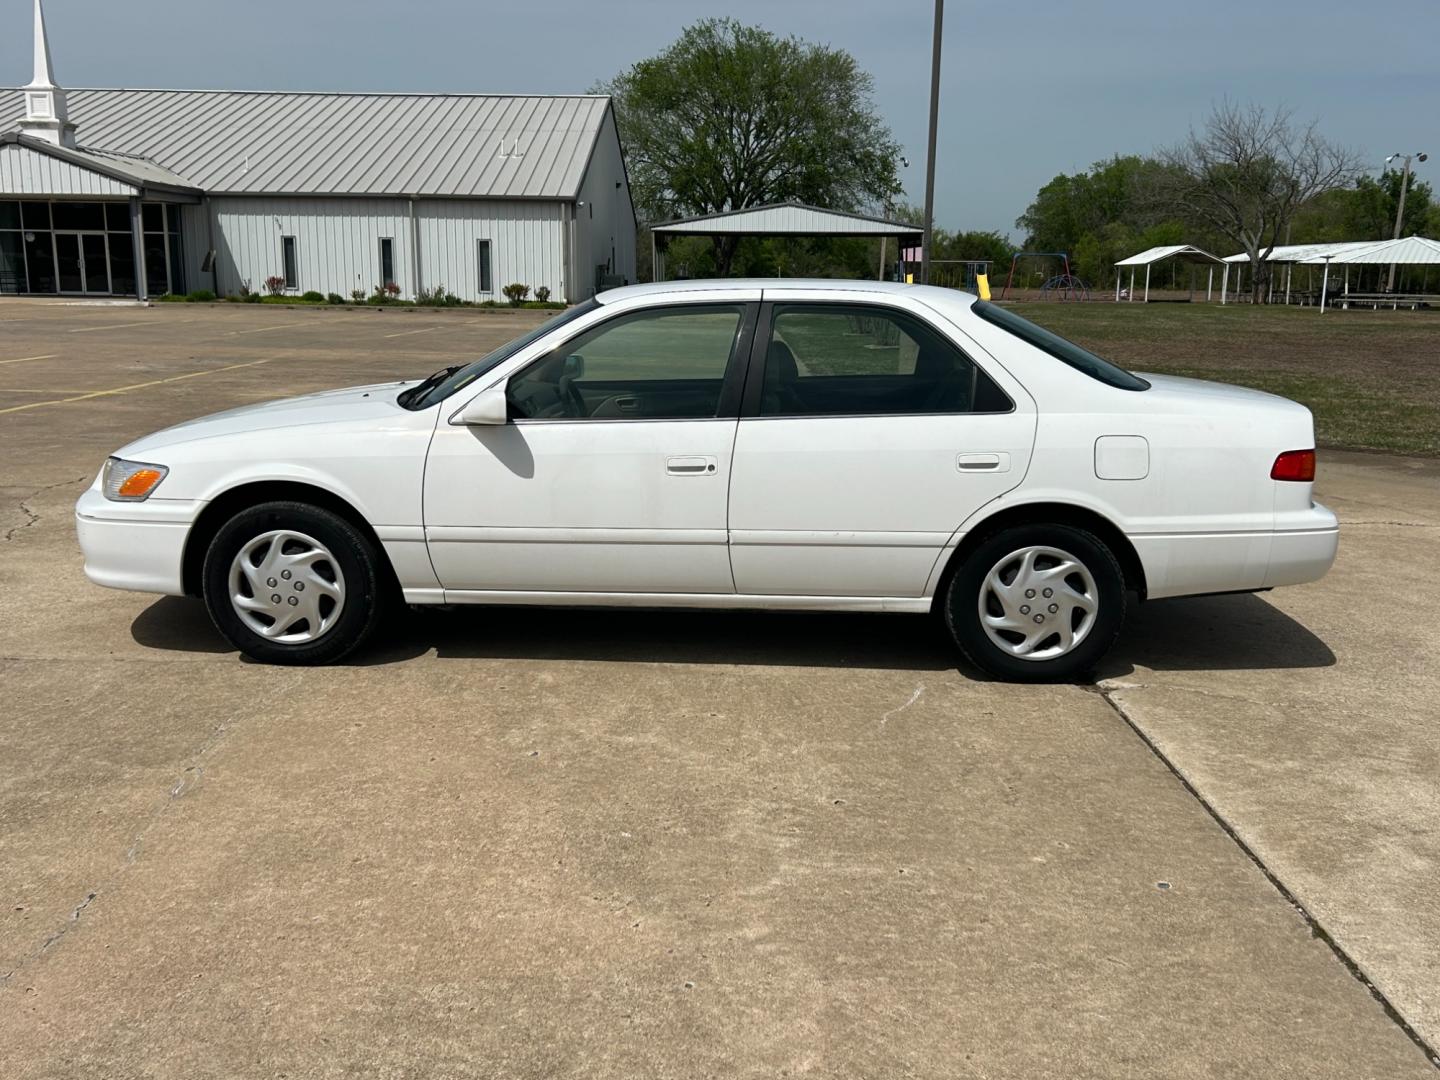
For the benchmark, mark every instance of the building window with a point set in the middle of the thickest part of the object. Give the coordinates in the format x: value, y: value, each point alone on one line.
x: 292, y: 270
x: 483, y: 248
x: 156, y: 249
x: 387, y: 260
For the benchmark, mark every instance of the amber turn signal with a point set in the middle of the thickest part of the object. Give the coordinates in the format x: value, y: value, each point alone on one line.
x: 130, y: 481
x: 139, y: 483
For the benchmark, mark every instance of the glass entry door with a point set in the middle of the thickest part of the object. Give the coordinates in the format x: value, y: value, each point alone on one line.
x: 82, y: 262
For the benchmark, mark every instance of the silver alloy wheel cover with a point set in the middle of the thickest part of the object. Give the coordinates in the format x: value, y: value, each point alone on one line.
x: 293, y: 578
x: 1038, y: 603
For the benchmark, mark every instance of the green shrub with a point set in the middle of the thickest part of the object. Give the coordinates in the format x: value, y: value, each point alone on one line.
x: 334, y: 298
x: 438, y: 297
x: 310, y: 296
x: 536, y: 305
x: 168, y: 298
x: 200, y: 296
x: 251, y: 297
x: 516, y: 293
x: 358, y: 295
x: 542, y: 293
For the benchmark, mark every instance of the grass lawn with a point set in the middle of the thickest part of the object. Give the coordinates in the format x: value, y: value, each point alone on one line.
x: 1372, y: 379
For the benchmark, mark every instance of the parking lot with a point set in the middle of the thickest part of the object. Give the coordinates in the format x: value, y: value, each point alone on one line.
x: 533, y: 843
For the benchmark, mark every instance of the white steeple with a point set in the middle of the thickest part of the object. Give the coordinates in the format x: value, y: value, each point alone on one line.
x: 46, y: 116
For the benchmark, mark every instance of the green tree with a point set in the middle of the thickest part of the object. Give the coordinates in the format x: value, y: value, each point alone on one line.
x: 733, y: 116
x: 1112, y: 210
x: 1373, y: 203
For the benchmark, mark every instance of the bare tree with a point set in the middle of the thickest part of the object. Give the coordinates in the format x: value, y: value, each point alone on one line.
x: 1248, y: 171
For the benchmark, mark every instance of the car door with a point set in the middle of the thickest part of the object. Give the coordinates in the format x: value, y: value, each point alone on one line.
x: 869, y: 432
x: 612, y: 474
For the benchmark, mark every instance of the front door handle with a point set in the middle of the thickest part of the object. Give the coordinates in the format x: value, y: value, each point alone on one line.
x: 983, y: 462
x: 691, y: 465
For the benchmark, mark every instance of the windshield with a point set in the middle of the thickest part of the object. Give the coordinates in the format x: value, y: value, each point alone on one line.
x: 1066, y: 352
x: 465, y: 374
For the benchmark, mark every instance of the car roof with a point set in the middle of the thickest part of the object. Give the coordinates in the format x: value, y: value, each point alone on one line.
x: 930, y: 293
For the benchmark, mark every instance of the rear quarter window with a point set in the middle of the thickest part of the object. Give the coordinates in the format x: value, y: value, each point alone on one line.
x: 1062, y: 349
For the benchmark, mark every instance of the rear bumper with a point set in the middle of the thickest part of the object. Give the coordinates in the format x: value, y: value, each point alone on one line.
x: 1188, y: 565
x: 1301, y: 555
x: 138, y: 546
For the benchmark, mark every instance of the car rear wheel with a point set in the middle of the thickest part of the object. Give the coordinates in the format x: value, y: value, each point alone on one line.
x: 1037, y: 603
x: 291, y: 583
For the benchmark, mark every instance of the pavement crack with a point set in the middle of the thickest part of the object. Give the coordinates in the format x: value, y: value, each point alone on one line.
x: 1317, y: 930
x: 189, y: 779
x: 1111, y: 686
x: 914, y: 697
x: 1395, y: 524
x: 31, y: 515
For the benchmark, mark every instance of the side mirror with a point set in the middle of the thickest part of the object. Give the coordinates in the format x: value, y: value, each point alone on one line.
x: 488, y: 407
x: 574, y: 367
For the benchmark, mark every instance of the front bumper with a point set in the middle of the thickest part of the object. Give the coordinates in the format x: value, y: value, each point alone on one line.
x: 138, y: 546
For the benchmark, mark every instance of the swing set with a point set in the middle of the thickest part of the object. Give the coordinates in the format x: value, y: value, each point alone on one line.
x: 1062, y: 286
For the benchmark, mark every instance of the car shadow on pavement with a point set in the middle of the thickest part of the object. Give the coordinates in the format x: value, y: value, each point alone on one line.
x: 798, y: 639
x: 1205, y: 633
x: 1241, y: 631
x: 178, y: 624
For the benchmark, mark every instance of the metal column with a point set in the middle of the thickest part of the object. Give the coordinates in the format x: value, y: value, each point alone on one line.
x: 137, y: 243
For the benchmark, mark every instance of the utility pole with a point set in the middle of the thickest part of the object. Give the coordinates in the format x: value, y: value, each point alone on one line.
x: 930, y: 158
x: 1400, y: 210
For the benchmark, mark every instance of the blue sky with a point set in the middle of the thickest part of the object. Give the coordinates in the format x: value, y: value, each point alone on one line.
x: 1029, y: 89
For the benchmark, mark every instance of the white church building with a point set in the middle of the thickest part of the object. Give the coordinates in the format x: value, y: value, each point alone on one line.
x: 143, y: 192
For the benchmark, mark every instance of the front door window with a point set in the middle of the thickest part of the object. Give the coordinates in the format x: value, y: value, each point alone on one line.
x: 665, y: 364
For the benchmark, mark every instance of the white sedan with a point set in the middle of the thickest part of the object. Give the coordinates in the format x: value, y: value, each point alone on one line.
x: 797, y: 445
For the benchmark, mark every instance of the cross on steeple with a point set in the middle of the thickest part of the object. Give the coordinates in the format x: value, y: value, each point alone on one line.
x: 46, y: 116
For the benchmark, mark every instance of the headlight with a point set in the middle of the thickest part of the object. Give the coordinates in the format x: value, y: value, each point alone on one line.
x: 130, y: 481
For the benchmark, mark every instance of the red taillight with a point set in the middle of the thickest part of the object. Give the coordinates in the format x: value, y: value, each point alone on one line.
x: 1294, y: 465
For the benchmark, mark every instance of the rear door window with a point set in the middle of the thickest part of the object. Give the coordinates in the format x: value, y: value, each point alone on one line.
x: 864, y: 360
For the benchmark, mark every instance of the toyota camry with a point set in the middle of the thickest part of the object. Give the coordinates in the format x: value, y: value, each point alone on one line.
x: 784, y: 445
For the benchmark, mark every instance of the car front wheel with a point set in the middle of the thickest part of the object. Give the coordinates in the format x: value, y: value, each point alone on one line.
x: 1037, y: 603
x: 291, y: 583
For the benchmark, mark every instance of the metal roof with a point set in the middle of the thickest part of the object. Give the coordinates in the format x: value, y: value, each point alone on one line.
x: 1285, y: 253
x: 787, y: 219
x: 1408, y: 250
x: 273, y: 143
x: 1184, y: 252
x: 123, y: 167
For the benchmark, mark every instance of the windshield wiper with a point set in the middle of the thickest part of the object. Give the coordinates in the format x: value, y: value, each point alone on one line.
x: 434, y: 379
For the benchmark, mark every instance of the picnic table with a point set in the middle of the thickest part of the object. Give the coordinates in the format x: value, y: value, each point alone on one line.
x: 1394, y: 301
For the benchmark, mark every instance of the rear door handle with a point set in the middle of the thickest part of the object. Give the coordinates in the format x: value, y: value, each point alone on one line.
x: 983, y: 462
x: 691, y: 465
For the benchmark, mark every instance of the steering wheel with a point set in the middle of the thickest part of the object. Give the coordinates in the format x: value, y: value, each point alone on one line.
x: 570, y: 397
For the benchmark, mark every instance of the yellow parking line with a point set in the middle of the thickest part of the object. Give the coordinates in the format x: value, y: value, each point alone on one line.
x: 422, y: 330
x: 109, y: 326
x: 136, y: 386
x: 22, y: 359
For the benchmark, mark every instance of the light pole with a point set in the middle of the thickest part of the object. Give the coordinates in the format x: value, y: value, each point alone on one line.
x: 1400, y: 210
x: 930, y: 158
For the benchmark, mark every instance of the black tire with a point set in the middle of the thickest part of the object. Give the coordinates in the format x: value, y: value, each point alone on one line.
x: 359, y: 566
x: 963, y: 595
